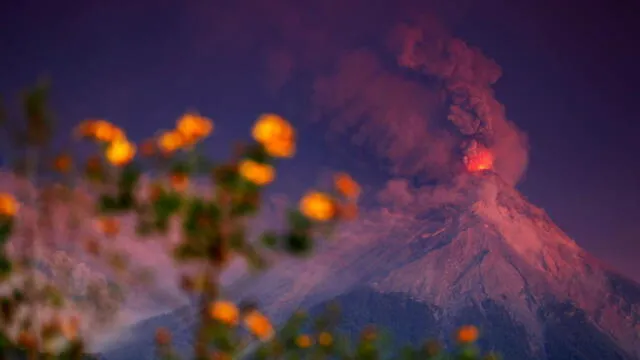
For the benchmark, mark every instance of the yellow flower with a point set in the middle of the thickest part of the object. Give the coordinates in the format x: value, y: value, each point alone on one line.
x: 276, y: 134
x: 8, y: 205
x: 346, y: 186
x: 224, y: 311
x: 171, y: 141
x: 257, y: 173
x: 259, y: 325
x: 194, y: 127
x: 468, y: 334
x: 318, y: 206
x: 120, y: 152
x: 304, y: 341
x: 325, y: 339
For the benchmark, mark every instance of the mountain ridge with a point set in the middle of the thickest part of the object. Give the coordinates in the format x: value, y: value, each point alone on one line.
x: 487, y: 257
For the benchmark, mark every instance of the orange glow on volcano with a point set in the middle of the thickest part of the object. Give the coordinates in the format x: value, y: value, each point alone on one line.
x: 479, y: 160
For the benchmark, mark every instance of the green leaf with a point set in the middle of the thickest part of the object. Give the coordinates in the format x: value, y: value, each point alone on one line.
x: 248, y: 204
x: 269, y: 239
x: 298, y: 244
x: 237, y: 239
x: 299, y: 222
x: 126, y: 201
x: 5, y: 265
x: 108, y: 204
x: 6, y: 226
x: 257, y: 153
x: 129, y: 178
x: 227, y: 177
x: 199, y: 216
x: 144, y: 227
x: 167, y: 204
x: 202, y: 165
x: 254, y: 259
x: 181, y: 167
x: 187, y: 251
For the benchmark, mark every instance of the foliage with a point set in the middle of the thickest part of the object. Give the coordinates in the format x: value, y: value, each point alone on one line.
x: 213, y: 230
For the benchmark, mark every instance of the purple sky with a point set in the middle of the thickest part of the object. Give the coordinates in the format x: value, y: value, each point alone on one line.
x: 569, y: 82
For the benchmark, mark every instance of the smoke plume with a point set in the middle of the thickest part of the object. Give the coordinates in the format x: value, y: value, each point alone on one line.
x: 466, y: 76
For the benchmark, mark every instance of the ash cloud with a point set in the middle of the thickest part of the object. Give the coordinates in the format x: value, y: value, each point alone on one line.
x: 421, y: 114
x: 467, y: 76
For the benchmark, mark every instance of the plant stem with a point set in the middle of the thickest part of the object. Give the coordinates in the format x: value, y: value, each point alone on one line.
x: 31, y: 177
x: 209, y: 293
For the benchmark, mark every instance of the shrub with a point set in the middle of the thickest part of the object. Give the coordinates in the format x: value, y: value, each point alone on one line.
x: 213, y: 229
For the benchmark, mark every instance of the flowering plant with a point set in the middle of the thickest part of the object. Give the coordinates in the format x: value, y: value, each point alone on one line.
x: 212, y: 227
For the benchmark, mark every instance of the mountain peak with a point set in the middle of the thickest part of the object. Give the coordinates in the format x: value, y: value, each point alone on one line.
x: 481, y: 254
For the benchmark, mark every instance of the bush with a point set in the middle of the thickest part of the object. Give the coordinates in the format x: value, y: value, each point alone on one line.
x: 213, y: 230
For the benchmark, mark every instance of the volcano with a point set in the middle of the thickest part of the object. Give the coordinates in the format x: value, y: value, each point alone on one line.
x: 486, y: 257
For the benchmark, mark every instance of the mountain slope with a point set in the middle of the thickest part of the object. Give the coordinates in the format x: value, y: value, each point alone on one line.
x: 487, y: 257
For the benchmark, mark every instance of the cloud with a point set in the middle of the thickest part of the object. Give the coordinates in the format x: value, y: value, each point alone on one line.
x: 467, y: 76
x: 391, y: 114
x: 420, y: 116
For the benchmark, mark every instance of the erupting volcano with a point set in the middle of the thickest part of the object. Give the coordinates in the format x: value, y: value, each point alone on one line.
x: 479, y: 159
x: 485, y: 256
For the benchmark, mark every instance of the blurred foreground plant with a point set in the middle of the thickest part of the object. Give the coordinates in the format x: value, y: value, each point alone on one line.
x: 213, y: 230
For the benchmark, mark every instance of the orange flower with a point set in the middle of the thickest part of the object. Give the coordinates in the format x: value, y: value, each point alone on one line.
x: 275, y: 134
x: 217, y: 355
x: 109, y: 226
x: 194, y: 127
x: 62, y: 163
x: 101, y: 130
x: 27, y: 340
x: 107, y: 132
x: 70, y: 327
x: 258, y: 324
x: 92, y: 247
x: 163, y: 336
x: 179, y: 181
x: 94, y: 164
x: 468, y: 334
x: 346, y: 186
x: 8, y: 205
x: 433, y: 348
x: 171, y: 141
x: 369, y: 333
x: 120, y: 152
x: 86, y: 128
x: 155, y: 190
x: 318, y: 206
x: 281, y: 148
x: 304, y: 341
x: 224, y: 311
x: 257, y: 173
x: 325, y: 339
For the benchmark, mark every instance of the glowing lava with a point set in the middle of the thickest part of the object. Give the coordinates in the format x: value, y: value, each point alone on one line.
x: 479, y: 160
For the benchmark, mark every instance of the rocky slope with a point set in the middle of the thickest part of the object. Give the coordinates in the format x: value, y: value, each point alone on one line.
x: 489, y: 258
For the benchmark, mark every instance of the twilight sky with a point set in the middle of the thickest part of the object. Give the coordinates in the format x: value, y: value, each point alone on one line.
x: 569, y: 76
